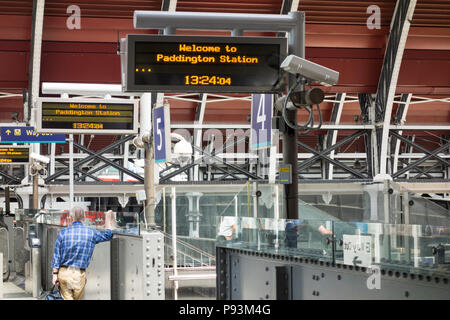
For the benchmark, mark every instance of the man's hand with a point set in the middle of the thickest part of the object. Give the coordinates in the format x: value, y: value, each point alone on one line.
x: 110, y: 220
x: 324, y: 231
x: 55, y: 279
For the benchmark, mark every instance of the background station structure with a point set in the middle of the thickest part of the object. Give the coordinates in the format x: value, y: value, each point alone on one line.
x: 337, y: 36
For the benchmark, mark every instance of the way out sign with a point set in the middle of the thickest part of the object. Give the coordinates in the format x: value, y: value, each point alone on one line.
x: 261, y: 129
x: 161, y: 133
x: 357, y: 250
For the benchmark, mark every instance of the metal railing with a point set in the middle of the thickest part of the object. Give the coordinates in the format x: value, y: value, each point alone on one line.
x: 187, y: 254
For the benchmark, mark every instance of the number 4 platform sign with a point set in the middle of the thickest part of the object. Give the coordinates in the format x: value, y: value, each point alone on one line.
x: 261, y: 131
x: 161, y: 133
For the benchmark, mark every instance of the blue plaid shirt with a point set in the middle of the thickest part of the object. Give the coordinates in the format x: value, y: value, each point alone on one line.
x: 75, y: 244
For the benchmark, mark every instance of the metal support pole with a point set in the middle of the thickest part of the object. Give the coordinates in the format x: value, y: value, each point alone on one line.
x: 36, y: 190
x: 149, y: 177
x: 173, y: 197
x: 52, y: 158
x: 35, y: 57
x: 7, y: 201
x: 149, y: 165
x: 70, y: 171
x: 36, y: 271
x: 290, y: 157
x: 1, y: 278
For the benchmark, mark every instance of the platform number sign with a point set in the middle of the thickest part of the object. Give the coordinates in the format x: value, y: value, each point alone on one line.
x: 261, y: 129
x: 161, y: 133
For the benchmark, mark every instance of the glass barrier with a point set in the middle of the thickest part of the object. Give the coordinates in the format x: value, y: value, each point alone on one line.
x: 351, y: 206
x: 425, y: 212
x: 276, y: 236
x: 418, y: 249
x: 124, y: 222
x: 247, y: 217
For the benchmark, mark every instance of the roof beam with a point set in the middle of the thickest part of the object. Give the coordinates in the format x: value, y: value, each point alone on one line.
x: 332, y: 135
x: 401, y: 118
x: 389, y: 75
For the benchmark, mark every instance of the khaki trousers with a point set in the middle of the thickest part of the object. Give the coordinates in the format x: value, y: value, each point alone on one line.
x: 72, y: 282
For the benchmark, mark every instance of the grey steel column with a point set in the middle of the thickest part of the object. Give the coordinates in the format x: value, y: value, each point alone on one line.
x: 290, y: 156
x: 36, y: 271
x: 387, y: 84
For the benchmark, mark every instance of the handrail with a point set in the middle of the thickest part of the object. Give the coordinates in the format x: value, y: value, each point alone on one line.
x: 189, y: 256
x: 206, y: 276
x: 190, y: 246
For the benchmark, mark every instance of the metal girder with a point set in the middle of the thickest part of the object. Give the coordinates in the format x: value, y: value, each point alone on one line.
x: 425, y: 172
x: 400, y: 118
x: 365, y: 102
x: 332, y: 135
x: 35, y: 56
x: 289, y: 5
x: 389, y: 75
x: 429, y: 155
x: 369, y: 150
x: 226, y: 173
x: 415, y: 145
x: 307, y: 163
x: 168, y: 5
x: 332, y: 161
x: 79, y: 170
x: 237, y: 168
x: 111, y: 163
x: 89, y: 158
x: 7, y: 176
x: 199, y: 116
x: 83, y: 174
x: 197, y: 161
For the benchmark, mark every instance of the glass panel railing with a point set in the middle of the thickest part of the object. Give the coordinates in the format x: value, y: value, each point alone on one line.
x: 277, y: 236
x: 415, y: 249
x: 124, y: 222
x: 425, y: 212
x: 195, y: 213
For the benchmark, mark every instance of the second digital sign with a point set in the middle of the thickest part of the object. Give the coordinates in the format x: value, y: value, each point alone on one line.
x: 104, y: 116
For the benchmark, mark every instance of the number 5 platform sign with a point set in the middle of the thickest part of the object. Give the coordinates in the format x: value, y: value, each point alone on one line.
x: 261, y: 131
x: 161, y: 133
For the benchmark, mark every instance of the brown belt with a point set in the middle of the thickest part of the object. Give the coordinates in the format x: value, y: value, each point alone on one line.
x: 68, y: 267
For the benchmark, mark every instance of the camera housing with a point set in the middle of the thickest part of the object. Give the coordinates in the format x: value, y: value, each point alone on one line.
x: 39, y: 158
x: 310, y: 70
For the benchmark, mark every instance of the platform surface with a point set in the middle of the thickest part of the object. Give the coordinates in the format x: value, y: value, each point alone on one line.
x: 14, y: 292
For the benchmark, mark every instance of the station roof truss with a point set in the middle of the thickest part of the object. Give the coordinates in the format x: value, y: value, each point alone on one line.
x: 407, y: 66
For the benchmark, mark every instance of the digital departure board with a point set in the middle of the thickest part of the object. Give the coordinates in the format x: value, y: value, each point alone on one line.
x: 14, y: 155
x: 204, y: 64
x: 87, y: 116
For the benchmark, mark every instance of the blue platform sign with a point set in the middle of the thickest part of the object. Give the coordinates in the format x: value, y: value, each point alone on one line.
x: 28, y: 135
x: 261, y: 129
x: 161, y: 134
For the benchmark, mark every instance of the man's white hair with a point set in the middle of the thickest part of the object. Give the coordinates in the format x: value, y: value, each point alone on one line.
x: 78, y: 214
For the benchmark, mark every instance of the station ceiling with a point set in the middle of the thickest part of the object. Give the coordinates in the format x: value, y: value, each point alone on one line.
x: 336, y: 36
x: 435, y: 13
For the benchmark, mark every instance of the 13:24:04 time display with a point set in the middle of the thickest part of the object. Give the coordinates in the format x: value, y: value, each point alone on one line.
x: 195, y: 80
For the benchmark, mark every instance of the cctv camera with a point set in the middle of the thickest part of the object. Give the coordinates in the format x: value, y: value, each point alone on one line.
x: 39, y: 158
x: 183, y: 151
x: 310, y: 70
